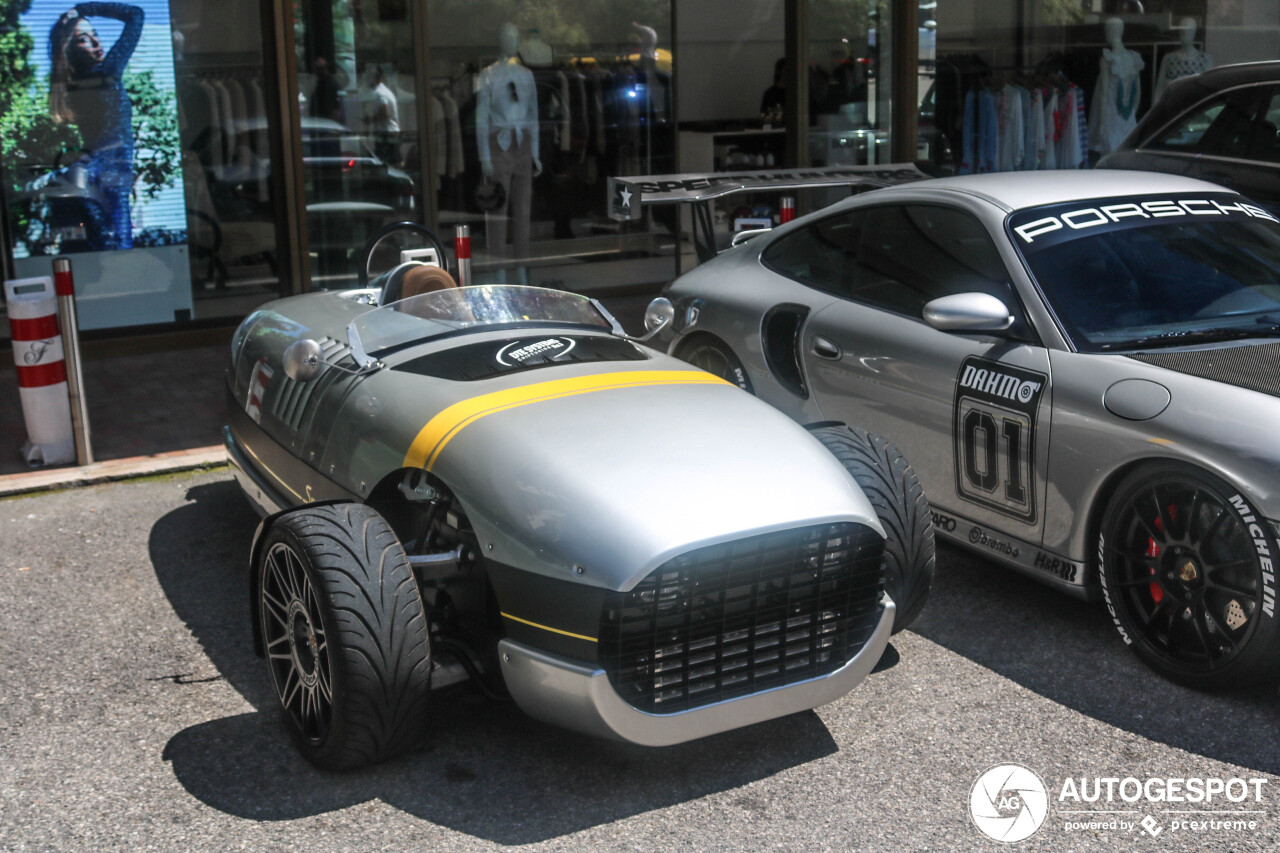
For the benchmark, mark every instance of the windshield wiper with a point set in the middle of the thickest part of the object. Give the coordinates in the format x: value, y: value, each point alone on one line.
x: 1198, y: 336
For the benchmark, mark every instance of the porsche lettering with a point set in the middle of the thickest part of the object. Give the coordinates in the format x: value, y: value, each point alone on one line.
x: 1091, y: 217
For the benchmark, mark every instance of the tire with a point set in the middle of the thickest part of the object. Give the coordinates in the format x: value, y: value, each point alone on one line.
x: 1185, y: 563
x: 344, y: 634
x: 899, y: 502
x: 717, y: 359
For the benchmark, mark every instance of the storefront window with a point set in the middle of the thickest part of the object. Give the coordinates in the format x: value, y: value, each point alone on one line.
x: 134, y: 137
x: 1052, y: 84
x: 534, y: 107
x: 361, y: 158
x: 226, y: 131
x: 849, y: 93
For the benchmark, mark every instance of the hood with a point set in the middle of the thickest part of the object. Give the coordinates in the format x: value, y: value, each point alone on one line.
x: 1254, y: 367
x: 621, y: 478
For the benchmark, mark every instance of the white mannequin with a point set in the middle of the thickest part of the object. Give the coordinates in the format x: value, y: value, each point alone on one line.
x: 1114, y: 110
x: 507, y: 141
x: 1185, y: 61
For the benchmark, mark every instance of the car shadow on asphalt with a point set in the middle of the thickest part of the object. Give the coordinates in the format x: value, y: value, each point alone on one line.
x: 1068, y: 651
x: 487, y: 770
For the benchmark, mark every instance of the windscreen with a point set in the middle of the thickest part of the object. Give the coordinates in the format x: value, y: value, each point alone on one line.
x: 1155, y: 271
x: 454, y: 309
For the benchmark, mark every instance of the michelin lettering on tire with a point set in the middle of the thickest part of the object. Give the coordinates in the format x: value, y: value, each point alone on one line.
x: 1106, y: 592
x: 1259, y: 536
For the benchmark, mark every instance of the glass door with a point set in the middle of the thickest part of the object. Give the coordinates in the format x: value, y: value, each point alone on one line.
x: 361, y: 158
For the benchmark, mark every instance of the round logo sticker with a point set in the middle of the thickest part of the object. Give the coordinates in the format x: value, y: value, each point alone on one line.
x: 1008, y: 803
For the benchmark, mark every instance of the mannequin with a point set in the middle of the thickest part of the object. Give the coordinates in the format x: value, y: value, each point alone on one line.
x: 1114, y: 111
x: 507, y: 141
x: 1185, y: 61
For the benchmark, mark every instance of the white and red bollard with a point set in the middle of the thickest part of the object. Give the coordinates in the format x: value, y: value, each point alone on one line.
x: 462, y: 250
x: 788, y: 210
x: 41, y: 368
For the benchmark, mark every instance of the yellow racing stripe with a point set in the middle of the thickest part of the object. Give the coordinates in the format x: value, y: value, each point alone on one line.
x: 552, y: 630
x: 441, y: 429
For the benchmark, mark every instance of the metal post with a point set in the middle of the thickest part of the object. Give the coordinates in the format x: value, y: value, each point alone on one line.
x: 462, y: 250
x: 65, y: 286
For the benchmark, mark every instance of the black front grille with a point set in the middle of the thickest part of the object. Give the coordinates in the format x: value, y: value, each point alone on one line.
x: 734, y: 619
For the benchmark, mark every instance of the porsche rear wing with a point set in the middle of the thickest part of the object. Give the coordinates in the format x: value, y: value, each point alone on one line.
x: 628, y: 195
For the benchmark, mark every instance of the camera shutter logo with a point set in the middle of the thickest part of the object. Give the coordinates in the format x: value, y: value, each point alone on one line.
x: 1008, y: 803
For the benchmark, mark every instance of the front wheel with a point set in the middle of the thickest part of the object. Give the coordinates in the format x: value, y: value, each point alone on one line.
x: 344, y: 634
x: 1186, y: 568
x: 895, y: 493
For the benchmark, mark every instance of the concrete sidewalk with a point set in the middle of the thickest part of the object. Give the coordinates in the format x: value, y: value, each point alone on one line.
x: 149, y: 413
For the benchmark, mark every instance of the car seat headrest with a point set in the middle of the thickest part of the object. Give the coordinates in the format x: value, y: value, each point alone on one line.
x: 413, y: 279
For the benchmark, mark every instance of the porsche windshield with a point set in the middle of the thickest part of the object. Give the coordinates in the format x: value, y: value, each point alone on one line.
x: 1155, y: 271
x: 454, y: 309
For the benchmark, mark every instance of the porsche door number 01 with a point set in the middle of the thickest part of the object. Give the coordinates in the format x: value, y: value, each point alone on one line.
x: 995, y: 428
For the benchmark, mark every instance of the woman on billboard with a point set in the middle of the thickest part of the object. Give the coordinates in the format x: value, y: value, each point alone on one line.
x: 86, y: 87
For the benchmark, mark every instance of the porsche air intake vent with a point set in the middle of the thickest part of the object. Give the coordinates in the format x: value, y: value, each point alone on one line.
x: 734, y: 619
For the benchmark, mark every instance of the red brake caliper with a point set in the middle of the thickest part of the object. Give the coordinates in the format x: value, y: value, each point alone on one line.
x: 1153, y: 551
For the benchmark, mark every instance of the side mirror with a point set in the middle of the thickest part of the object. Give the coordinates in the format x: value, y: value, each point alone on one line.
x: 968, y: 312
x: 658, y: 316
x: 302, y: 360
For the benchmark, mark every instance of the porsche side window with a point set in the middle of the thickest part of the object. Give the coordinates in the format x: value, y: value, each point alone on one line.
x: 820, y: 255
x: 1223, y: 127
x: 1265, y: 144
x: 911, y: 254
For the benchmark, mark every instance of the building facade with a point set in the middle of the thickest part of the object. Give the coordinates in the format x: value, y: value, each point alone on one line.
x: 196, y: 158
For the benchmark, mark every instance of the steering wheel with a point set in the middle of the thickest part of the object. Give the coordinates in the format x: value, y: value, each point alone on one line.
x: 375, y: 249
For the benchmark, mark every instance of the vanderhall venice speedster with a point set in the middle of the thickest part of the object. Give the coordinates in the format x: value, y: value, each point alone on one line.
x: 1082, y: 368
x: 494, y: 483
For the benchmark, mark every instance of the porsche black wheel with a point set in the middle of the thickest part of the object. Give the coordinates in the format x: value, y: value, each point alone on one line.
x: 1187, y: 574
x: 344, y: 635
x: 895, y: 493
x: 717, y: 359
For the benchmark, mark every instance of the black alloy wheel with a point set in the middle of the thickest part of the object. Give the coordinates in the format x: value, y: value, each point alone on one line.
x: 345, y: 635
x: 1186, y: 573
x: 296, y: 647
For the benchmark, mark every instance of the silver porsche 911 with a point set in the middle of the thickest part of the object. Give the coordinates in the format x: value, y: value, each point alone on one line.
x: 1082, y: 368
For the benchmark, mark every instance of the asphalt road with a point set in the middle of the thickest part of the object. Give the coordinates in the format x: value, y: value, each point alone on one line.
x: 133, y: 716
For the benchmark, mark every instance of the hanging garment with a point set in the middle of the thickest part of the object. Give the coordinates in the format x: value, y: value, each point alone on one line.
x: 1035, y: 156
x: 1051, y: 120
x: 1069, y: 151
x: 1011, y: 132
x: 1114, y: 111
x: 969, y: 135
x: 454, y: 123
x: 988, y: 131
x: 1028, y: 160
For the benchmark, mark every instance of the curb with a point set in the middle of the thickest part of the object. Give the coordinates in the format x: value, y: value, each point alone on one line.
x: 112, y: 470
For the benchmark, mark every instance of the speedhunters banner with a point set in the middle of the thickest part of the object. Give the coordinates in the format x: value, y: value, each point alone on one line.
x: 91, y: 154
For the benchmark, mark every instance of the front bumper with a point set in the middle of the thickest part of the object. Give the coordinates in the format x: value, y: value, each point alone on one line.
x: 579, y: 696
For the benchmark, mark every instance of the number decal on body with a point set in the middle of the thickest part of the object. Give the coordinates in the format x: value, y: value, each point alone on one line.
x: 995, y: 430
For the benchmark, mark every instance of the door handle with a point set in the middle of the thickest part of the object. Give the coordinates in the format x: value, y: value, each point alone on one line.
x: 824, y: 348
